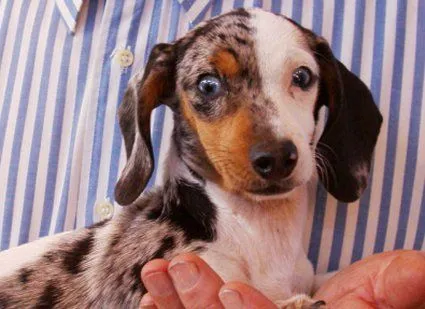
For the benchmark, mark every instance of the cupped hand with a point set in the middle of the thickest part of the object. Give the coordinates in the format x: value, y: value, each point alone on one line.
x: 188, y: 282
x: 387, y: 280
x: 393, y: 279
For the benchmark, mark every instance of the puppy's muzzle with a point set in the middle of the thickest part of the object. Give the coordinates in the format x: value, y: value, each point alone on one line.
x: 274, y: 161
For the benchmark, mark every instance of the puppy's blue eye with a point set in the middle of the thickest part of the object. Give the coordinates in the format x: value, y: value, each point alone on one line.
x: 302, y: 77
x: 209, y: 85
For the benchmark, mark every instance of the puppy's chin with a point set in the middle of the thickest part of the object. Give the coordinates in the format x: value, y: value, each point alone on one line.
x: 271, y: 192
x: 268, y: 197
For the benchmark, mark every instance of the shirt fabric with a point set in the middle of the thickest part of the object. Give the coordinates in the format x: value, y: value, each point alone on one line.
x: 62, y: 79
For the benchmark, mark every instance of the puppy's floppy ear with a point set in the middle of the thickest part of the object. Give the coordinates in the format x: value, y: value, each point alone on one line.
x: 352, y: 128
x: 145, y: 92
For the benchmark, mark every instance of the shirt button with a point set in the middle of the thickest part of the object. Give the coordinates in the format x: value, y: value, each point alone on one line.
x: 125, y: 58
x: 104, y: 210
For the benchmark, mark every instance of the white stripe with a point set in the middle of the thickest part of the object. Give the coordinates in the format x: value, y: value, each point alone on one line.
x: 286, y: 8
x: 419, y: 181
x: 38, y: 204
x: 143, y: 35
x: 368, y: 40
x: 4, y: 74
x: 346, y: 57
x: 43, y: 162
x: 349, y: 21
x: 267, y: 5
x: 29, y: 127
x: 407, y: 85
x: 327, y: 235
x: 66, y: 14
x: 78, y: 153
x: 2, y: 9
x: 226, y: 6
x: 71, y: 207
x: 77, y: 3
x: 349, y: 234
x: 381, y: 147
x: 307, y: 14
x: 328, y: 20
x: 14, y: 106
x: 89, y: 107
x: 196, y: 9
x: 65, y: 136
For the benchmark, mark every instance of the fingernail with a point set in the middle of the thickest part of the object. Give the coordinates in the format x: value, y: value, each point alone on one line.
x: 184, y: 275
x: 147, y: 302
x: 158, y: 284
x: 231, y: 299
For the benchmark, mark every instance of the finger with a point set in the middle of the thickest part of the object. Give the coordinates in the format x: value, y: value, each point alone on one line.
x: 196, y: 283
x: 236, y: 295
x: 159, y: 285
x: 147, y: 302
x: 402, y: 283
x: 392, y: 279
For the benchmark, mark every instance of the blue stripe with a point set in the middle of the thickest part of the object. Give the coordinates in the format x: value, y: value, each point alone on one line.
x: 4, y: 118
x: 82, y: 81
x: 152, y: 37
x: 318, y: 16
x: 160, y: 113
x: 19, y: 129
x: 111, y: 43
x: 238, y: 4
x: 258, y: 3
x: 414, y: 127
x: 71, y: 8
x: 297, y: 11
x: 116, y: 139
x: 201, y: 15
x: 392, y: 129
x: 338, y: 28
x: 56, y: 137
x: 376, y: 82
x: 276, y: 6
x: 338, y: 236
x: 38, y: 125
x: 4, y: 26
x: 358, y: 37
x: 318, y: 222
x: 36, y: 138
x: 216, y: 7
x: 187, y: 4
x: 420, y: 232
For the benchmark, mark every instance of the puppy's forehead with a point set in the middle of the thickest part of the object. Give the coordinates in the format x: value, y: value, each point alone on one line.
x: 252, y: 36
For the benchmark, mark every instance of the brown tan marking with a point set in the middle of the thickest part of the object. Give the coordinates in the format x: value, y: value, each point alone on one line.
x: 225, y: 62
x: 226, y: 142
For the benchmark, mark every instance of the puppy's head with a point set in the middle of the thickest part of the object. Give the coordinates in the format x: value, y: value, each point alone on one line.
x: 245, y: 89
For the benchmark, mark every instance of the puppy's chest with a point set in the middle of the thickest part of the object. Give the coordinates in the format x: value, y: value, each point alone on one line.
x: 264, y: 255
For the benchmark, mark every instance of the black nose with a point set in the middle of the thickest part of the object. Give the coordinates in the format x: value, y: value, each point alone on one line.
x: 274, y: 162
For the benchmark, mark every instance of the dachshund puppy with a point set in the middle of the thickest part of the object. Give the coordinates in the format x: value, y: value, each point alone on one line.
x: 245, y: 89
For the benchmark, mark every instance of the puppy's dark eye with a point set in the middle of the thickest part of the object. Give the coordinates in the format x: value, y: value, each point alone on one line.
x: 302, y: 77
x: 209, y: 85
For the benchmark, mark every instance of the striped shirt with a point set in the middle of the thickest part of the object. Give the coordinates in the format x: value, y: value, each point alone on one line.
x: 64, y: 66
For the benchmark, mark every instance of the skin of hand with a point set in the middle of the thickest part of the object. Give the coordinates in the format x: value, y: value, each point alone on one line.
x: 388, y: 280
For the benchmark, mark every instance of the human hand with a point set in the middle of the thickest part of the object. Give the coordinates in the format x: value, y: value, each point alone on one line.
x: 393, y: 279
x: 388, y: 280
x: 188, y: 282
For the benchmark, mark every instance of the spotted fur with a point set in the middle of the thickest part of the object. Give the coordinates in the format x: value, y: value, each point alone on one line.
x: 213, y: 202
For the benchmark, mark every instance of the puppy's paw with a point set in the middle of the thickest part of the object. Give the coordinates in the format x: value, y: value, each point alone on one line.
x: 301, y: 301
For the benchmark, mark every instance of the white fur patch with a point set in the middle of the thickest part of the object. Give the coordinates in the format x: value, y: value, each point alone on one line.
x: 261, y: 244
x: 281, y: 49
x: 15, y: 258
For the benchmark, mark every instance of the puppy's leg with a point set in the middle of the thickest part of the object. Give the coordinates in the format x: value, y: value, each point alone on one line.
x: 301, y: 301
